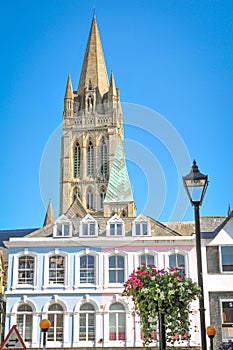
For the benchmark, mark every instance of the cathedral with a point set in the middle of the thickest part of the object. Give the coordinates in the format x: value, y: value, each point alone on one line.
x: 72, y: 270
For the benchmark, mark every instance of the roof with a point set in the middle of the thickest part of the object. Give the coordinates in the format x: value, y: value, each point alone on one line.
x: 119, y: 187
x: 94, y: 68
x: 5, y: 235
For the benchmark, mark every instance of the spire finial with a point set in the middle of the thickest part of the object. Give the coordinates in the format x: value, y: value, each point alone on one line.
x: 94, y: 11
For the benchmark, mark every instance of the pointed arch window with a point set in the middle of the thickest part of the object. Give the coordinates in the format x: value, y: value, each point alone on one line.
x: 77, y: 160
x: 103, y: 160
x: 87, y: 322
x: 117, y: 322
x: 24, y: 322
x: 55, y: 316
x: 76, y: 193
x: 90, y: 159
x: 90, y: 199
x: 102, y: 197
x: 26, y: 270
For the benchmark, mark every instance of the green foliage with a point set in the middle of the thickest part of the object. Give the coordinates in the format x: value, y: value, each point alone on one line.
x: 169, y: 292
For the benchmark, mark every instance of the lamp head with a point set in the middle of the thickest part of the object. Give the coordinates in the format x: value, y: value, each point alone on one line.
x: 195, y: 184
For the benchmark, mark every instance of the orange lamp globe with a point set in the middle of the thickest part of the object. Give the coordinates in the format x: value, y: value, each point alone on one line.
x: 45, y: 325
x: 210, y: 331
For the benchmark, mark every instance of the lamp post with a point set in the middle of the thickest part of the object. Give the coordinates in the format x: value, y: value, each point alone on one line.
x: 44, y: 326
x: 211, y: 331
x: 195, y: 184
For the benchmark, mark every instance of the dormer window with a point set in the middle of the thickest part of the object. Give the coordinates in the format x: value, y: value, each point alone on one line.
x: 141, y: 226
x: 62, y: 227
x: 88, y: 226
x: 115, y: 226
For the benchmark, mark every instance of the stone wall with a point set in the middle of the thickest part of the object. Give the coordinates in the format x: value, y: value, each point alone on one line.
x: 215, y: 313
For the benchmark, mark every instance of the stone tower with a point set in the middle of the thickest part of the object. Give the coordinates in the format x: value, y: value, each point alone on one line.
x: 92, y: 132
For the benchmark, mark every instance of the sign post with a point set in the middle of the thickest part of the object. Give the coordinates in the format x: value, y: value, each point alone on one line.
x: 13, y: 341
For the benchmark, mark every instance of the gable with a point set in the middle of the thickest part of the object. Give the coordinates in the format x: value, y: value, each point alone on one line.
x: 225, y: 235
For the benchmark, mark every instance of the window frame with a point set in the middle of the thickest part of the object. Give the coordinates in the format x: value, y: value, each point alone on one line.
x: 141, y: 220
x: 48, y: 285
x: 90, y: 160
x: 103, y: 160
x: 88, y: 314
x: 226, y: 338
x: 62, y: 221
x: 78, y: 267
x: 77, y: 161
x: 177, y: 251
x: 117, y: 324
x: 107, y: 279
x: 15, y: 273
x: 25, y: 314
x: 88, y: 220
x: 221, y: 259
x: 115, y: 220
x: 55, y: 319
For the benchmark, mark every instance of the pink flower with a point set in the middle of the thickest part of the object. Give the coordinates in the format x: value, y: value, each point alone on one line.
x: 179, y: 278
x: 143, y: 263
x: 142, y: 273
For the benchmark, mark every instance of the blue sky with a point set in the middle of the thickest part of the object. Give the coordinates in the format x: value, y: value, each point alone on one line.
x: 172, y: 57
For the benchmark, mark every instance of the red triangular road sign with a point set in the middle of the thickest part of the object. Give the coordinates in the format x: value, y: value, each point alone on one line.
x: 13, y: 341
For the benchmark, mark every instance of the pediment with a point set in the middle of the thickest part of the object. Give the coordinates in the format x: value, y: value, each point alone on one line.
x: 225, y: 235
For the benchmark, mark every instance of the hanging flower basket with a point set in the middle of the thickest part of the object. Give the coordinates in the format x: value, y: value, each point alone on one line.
x: 167, y: 292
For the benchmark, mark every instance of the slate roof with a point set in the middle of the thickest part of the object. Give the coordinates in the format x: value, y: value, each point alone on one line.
x: 5, y: 235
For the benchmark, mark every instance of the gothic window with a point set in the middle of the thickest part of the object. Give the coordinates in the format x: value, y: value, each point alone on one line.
x: 87, y: 269
x: 76, y: 193
x: 55, y: 316
x: 87, y: 323
x: 90, y: 160
x: 56, y: 269
x: 141, y: 226
x: 103, y: 160
x: 90, y: 199
x: 26, y: 270
x: 102, y: 196
x: 147, y: 259
x: 117, y: 322
x: 227, y: 258
x: 62, y: 227
x: 177, y: 260
x: 116, y: 269
x: 115, y: 226
x: 77, y: 160
x: 24, y: 322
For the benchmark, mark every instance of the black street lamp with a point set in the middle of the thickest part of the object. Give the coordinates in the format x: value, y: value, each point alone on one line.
x: 195, y: 184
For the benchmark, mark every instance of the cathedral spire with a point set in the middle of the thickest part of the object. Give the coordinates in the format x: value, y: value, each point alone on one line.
x: 49, y: 217
x: 94, y: 69
x: 69, y: 99
x: 69, y: 89
x: 112, y: 86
